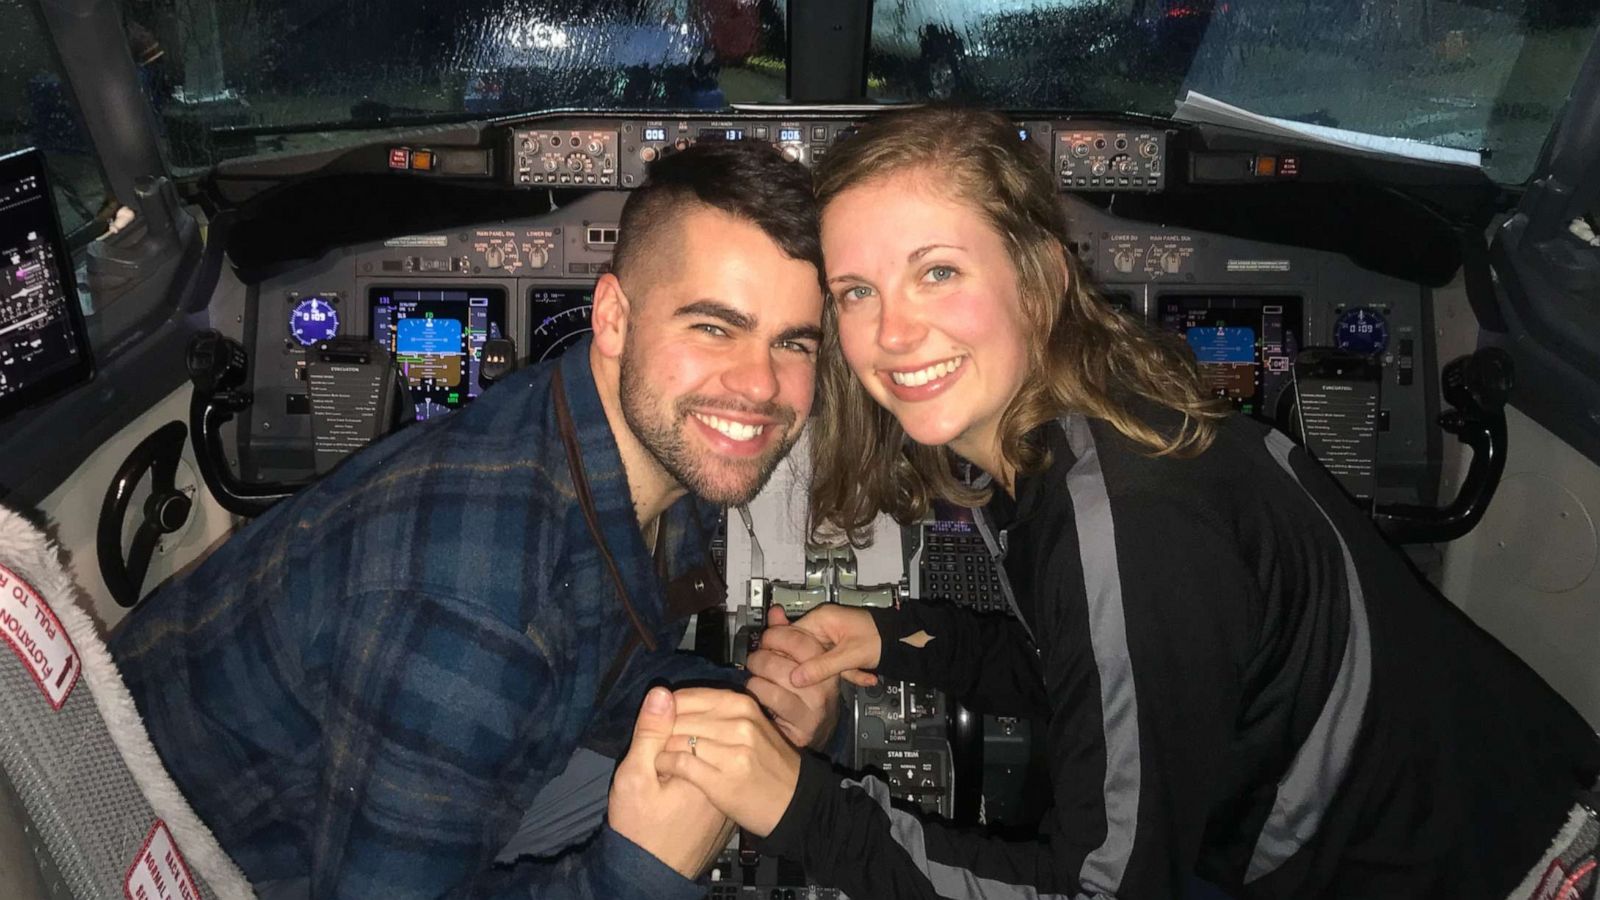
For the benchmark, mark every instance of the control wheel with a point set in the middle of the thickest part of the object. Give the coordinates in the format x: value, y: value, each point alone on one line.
x: 165, y: 509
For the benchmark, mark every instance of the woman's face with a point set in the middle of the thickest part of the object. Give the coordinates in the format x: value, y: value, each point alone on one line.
x: 929, y: 316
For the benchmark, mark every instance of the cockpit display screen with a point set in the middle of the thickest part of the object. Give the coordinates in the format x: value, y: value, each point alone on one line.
x: 950, y: 518
x: 44, y: 346
x: 1245, y: 344
x: 560, y: 319
x: 437, y: 337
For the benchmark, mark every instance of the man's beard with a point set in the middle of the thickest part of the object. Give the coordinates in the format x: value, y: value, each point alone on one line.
x: 662, y: 435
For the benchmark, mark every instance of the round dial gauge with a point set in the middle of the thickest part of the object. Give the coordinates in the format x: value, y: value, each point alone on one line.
x: 313, y: 319
x: 1361, y: 329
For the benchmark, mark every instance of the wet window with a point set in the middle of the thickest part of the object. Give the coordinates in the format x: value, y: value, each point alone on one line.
x: 37, y: 110
x: 235, y: 77
x: 1475, y: 75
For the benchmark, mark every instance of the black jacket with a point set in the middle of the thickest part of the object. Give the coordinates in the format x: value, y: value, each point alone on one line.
x: 1237, y: 676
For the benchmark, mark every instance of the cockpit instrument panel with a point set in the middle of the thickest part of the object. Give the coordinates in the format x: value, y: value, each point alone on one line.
x: 1361, y: 329
x: 565, y: 157
x: 437, y: 337
x: 44, y: 345
x: 615, y: 151
x: 1110, y: 158
x: 1244, y: 344
x: 1245, y: 307
x: 560, y: 318
x: 312, y: 319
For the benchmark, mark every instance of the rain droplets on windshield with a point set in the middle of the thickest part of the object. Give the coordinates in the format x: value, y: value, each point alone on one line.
x: 1468, y: 74
x: 230, y: 77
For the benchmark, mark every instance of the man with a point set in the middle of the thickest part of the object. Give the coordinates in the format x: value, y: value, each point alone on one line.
x: 365, y: 691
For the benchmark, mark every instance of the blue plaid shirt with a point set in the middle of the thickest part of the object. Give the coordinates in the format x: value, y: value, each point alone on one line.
x: 370, y: 683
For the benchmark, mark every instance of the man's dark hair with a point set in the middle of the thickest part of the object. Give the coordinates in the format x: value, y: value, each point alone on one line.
x: 747, y: 179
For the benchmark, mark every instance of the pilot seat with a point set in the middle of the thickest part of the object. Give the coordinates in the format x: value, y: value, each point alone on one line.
x: 86, y: 808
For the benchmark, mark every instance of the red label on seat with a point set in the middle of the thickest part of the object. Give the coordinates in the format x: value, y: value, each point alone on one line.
x: 35, y: 635
x: 159, y: 872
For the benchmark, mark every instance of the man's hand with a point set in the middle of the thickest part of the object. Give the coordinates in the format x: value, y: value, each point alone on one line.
x: 738, y: 757
x: 852, y: 641
x: 669, y: 817
x: 807, y: 715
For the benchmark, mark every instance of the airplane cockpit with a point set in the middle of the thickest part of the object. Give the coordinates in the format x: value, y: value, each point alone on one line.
x: 248, y: 240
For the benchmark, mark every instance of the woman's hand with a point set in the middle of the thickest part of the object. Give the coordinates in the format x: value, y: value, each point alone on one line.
x: 852, y: 641
x: 738, y: 758
x: 805, y: 715
x: 672, y: 820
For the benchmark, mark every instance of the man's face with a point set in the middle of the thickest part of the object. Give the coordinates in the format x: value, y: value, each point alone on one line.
x: 719, y: 362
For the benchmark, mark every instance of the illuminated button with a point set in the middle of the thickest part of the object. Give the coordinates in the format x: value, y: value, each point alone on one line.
x: 1266, y: 166
x: 422, y: 160
x: 399, y: 158
x: 1289, y: 166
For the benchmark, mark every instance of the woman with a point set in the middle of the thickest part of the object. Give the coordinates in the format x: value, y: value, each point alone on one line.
x: 1235, y: 674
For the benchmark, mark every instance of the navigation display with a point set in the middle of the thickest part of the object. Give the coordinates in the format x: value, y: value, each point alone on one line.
x: 1245, y: 345
x: 560, y: 319
x: 437, y: 337
x: 44, y: 346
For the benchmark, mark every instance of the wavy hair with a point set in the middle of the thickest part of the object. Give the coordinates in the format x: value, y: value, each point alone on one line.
x: 1088, y: 357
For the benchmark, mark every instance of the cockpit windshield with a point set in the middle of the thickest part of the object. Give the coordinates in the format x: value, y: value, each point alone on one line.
x: 231, y: 78
x: 235, y: 77
x: 1485, y: 76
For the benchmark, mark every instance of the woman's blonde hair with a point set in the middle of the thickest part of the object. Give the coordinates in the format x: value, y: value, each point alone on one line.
x: 1089, y: 357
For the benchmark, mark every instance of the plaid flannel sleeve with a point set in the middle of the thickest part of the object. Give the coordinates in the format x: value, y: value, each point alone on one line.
x: 432, y: 705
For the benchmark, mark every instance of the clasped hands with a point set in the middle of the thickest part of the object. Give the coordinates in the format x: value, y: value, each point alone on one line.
x: 705, y: 758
